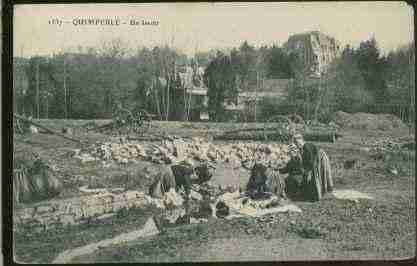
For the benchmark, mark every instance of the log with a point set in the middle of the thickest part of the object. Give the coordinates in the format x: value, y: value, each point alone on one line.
x: 279, y: 136
x: 251, y: 129
x: 102, y: 126
x: 46, y: 129
x: 144, y: 138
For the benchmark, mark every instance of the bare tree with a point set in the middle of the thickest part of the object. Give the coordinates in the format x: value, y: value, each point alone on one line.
x: 113, y: 52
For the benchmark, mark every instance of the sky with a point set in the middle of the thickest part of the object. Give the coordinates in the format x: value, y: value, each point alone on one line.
x: 192, y: 27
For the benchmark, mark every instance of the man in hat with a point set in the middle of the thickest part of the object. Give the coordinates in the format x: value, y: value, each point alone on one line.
x: 315, y: 168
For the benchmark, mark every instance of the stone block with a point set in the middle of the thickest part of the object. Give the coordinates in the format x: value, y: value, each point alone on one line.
x: 44, y: 209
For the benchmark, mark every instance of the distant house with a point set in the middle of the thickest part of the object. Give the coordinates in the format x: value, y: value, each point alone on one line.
x: 316, y: 49
x: 195, y: 93
x: 245, y: 102
x: 270, y: 88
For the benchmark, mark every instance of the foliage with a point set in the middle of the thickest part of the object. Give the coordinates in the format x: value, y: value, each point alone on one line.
x: 278, y: 64
x: 89, y: 83
x: 219, y: 78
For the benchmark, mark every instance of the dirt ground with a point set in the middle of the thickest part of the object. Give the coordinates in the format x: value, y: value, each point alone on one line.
x: 381, y: 228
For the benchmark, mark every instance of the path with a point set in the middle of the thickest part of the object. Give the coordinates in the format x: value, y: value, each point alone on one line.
x: 148, y: 229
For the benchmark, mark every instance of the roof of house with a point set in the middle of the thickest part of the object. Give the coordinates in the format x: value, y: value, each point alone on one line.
x: 234, y: 107
x: 271, y: 88
x: 187, y: 81
x: 197, y: 91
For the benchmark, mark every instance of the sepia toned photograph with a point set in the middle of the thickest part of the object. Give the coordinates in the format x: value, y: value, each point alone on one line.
x: 213, y: 132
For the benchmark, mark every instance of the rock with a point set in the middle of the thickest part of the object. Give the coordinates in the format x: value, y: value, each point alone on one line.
x: 271, y: 201
x: 67, y: 130
x: 43, y: 209
x: 350, y: 194
x: 105, y: 216
x: 85, y: 158
x: 174, y: 215
x: 172, y: 199
x: 222, y: 210
x: 195, y: 195
x: 393, y: 171
x: 33, y: 129
x: 85, y: 189
x: 197, y: 220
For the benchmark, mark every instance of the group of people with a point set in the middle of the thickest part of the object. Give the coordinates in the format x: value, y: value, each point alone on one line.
x: 309, y: 175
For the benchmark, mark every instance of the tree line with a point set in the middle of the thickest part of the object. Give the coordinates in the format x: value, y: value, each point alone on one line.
x: 88, y: 84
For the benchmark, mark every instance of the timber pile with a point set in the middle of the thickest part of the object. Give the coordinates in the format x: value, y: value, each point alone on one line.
x: 281, y: 136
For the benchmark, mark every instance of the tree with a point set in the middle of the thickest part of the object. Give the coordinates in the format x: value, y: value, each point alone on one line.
x: 400, y: 78
x: 219, y: 78
x: 278, y: 64
x: 347, y: 85
x: 244, y: 64
x: 371, y: 66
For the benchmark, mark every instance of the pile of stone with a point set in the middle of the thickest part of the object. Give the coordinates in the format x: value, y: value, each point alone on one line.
x: 50, y: 214
x: 194, y: 150
x: 84, y: 209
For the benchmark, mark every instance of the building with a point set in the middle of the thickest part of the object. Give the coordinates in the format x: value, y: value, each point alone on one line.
x: 316, y: 49
x: 196, y: 100
x: 248, y: 101
x: 269, y: 88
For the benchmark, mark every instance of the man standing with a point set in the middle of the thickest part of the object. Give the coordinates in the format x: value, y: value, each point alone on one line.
x: 315, y: 168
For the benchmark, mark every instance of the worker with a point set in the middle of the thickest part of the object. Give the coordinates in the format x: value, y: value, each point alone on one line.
x: 263, y: 180
x: 315, y: 168
x: 293, y: 182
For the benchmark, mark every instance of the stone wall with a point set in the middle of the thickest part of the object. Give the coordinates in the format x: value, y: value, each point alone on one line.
x: 46, y: 215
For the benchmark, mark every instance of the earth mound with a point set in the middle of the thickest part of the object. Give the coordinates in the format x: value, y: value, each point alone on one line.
x: 366, y: 121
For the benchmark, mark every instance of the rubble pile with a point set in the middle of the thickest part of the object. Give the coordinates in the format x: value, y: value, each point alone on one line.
x: 194, y: 150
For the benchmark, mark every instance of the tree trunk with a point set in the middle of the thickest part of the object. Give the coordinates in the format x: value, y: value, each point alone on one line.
x: 37, y: 89
x: 168, y: 96
x: 65, y: 91
x: 158, y: 108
